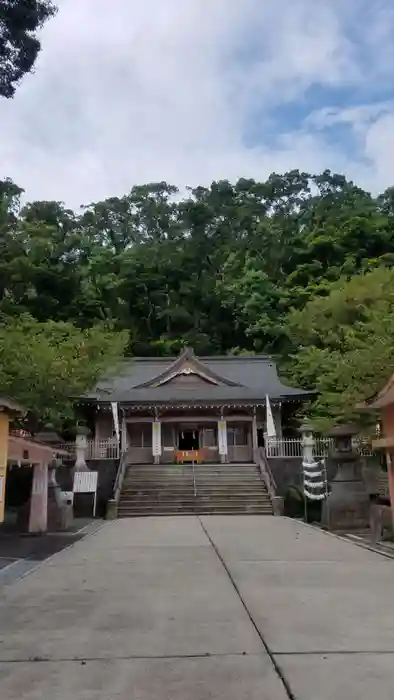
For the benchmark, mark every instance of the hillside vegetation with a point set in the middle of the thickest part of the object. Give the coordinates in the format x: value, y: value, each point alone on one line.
x: 299, y: 266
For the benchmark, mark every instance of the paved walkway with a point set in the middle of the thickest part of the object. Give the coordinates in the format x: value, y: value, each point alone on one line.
x: 242, y: 608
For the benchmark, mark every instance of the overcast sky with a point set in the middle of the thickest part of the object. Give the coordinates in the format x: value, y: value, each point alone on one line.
x: 189, y: 91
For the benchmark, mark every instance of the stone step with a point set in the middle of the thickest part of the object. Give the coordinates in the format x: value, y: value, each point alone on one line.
x: 197, y: 470
x: 204, y: 465
x: 220, y: 495
x: 190, y: 483
x: 209, y: 499
x: 135, y: 497
x: 185, y: 511
x: 195, y: 508
x: 189, y: 475
x: 167, y: 490
x: 170, y: 493
x: 187, y: 479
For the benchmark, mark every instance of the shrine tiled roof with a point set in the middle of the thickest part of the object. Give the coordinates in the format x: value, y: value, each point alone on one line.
x: 243, y: 379
x: 10, y: 406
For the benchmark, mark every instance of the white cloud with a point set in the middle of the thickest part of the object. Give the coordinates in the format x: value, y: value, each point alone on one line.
x: 131, y: 92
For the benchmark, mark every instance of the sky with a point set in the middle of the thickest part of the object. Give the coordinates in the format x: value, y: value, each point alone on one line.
x: 191, y: 91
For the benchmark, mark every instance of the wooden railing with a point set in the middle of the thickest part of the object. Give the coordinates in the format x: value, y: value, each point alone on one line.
x: 103, y: 449
x: 292, y: 447
x: 97, y: 449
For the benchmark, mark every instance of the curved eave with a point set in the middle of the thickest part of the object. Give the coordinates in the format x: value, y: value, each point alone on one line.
x: 11, y: 407
x: 197, y: 403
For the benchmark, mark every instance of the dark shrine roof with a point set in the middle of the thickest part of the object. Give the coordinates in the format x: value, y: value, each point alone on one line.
x: 229, y: 379
x: 10, y: 406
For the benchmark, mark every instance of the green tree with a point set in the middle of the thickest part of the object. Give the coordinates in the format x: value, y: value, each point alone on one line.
x: 344, y: 344
x: 19, y: 46
x: 219, y: 269
x: 46, y: 366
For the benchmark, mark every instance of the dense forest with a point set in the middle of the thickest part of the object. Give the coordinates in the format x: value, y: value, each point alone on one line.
x: 299, y: 266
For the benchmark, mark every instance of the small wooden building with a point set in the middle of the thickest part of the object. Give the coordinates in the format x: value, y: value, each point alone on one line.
x: 383, y: 401
x: 211, y: 407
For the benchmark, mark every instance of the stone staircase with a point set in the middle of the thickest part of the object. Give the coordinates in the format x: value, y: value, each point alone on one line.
x: 227, y: 489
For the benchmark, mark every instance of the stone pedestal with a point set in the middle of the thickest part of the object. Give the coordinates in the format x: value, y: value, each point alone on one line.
x: 347, y: 506
x: 278, y: 505
x: 60, y: 513
x: 33, y: 515
x: 112, y: 510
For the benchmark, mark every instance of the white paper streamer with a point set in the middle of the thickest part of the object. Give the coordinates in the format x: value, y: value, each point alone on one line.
x: 313, y: 474
x: 314, y: 484
x: 314, y: 496
x: 314, y: 470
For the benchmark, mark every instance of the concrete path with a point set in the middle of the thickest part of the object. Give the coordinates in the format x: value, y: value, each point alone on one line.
x: 229, y: 608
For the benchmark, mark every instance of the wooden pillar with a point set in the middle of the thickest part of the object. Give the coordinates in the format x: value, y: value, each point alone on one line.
x: 277, y: 416
x: 390, y: 478
x: 222, y: 438
x: 4, y: 429
x: 156, y: 440
x: 255, y: 441
x: 124, y: 436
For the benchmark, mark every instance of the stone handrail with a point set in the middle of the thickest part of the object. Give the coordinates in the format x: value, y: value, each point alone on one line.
x: 266, y: 472
x: 269, y: 480
x: 112, y: 511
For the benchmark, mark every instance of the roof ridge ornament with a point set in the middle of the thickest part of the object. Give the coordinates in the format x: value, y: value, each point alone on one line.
x: 177, y: 368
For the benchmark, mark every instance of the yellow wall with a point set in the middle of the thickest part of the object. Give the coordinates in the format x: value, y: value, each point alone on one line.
x: 4, y: 426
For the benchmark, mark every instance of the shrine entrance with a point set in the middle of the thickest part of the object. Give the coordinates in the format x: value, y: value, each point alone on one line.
x: 189, y: 439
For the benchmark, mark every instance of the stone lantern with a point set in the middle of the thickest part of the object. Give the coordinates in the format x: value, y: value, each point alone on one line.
x: 81, y: 443
x: 347, y: 505
x: 49, y: 435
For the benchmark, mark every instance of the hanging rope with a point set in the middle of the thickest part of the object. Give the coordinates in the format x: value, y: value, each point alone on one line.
x: 315, y: 480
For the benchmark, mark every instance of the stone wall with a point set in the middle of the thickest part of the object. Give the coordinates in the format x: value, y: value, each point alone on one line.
x: 287, y: 471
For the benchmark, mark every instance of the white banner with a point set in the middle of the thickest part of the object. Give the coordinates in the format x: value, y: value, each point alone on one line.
x: 156, y: 438
x: 222, y: 437
x: 115, y: 415
x: 270, y: 424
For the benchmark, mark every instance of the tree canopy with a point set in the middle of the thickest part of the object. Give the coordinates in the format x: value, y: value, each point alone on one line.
x: 247, y: 266
x: 345, y: 343
x: 47, y: 365
x: 19, y: 45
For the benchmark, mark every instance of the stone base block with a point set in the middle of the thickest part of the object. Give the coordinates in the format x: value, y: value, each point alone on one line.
x: 60, y: 518
x: 112, y: 510
x: 278, y: 505
x: 381, y: 521
x: 346, y: 516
